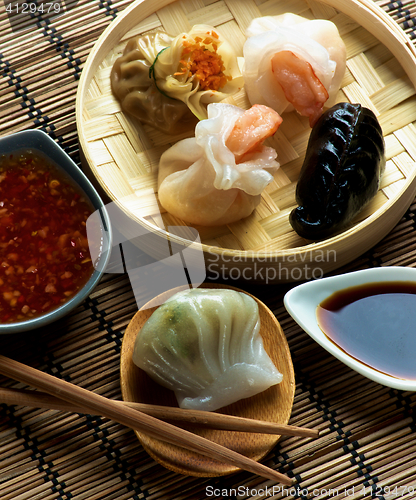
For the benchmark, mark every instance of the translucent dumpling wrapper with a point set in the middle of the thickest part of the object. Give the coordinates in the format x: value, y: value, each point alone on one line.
x: 217, y: 177
x: 182, y: 72
x: 205, y: 345
x: 166, y: 75
x: 293, y: 63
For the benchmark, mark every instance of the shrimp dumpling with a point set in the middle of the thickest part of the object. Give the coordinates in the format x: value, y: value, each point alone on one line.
x: 293, y: 63
x: 217, y: 177
x: 205, y: 345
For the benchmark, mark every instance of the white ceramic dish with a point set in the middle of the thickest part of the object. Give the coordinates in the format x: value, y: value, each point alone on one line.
x: 302, y: 301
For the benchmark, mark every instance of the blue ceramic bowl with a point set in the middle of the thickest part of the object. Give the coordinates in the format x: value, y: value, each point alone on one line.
x: 38, y: 141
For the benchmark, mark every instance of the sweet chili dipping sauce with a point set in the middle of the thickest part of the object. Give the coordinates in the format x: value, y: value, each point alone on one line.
x: 44, y: 254
x: 375, y: 324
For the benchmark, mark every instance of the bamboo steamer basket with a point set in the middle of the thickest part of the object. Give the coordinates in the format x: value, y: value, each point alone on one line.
x: 122, y: 154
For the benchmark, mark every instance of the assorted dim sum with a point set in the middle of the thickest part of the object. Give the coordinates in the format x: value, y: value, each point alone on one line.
x: 167, y: 82
x: 293, y: 63
x: 341, y: 172
x: 205, y: 345
x: 217, y: 177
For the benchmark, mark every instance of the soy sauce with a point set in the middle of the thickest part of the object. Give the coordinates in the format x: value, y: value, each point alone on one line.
x: 375, y: 324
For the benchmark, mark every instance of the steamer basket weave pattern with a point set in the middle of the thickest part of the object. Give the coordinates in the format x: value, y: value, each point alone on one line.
x: 123, y: 154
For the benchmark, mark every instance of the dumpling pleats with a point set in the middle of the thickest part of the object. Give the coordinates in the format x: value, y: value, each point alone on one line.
x: 341, y: 173
x: 293, y: 63
x: 205, y: 345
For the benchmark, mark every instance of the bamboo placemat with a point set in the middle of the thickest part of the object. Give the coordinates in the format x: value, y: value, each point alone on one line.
x: 367, y: 447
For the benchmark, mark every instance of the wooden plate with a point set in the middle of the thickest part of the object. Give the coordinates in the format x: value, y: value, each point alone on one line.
x: 123, y: 155
x: 273, y: 405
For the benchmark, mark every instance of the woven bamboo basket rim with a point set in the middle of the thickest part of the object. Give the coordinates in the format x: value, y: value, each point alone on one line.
x: 366, y: 14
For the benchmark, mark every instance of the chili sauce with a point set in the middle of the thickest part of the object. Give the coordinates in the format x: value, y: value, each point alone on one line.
x: 44, y: 253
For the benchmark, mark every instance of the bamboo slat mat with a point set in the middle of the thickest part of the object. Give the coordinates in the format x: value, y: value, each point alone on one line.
x: 367, y: 447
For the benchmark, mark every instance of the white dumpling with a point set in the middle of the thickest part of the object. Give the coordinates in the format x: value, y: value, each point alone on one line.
x: 205, y: 345
x: 293, y: 63
x: 217, y: 177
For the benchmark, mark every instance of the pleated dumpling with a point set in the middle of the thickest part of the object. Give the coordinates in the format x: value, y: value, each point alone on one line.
x: 217, y: 177
x: 135, y: 88
x: 293, y: 63
x: 198, y: 68
x: 341, y: 173
x: 205, y: 345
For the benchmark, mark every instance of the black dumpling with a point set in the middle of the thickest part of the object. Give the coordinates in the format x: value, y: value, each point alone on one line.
x: 341, y: 172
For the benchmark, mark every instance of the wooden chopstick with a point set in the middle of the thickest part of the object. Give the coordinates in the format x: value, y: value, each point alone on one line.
x: 36, y: 399
x: 158, y: 429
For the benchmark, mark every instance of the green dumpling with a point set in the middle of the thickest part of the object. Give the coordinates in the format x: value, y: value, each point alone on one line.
x: 205, y: 345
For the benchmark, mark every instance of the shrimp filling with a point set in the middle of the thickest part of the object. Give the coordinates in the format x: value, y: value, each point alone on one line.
x: 301, y: 86
x: 251, y: 129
